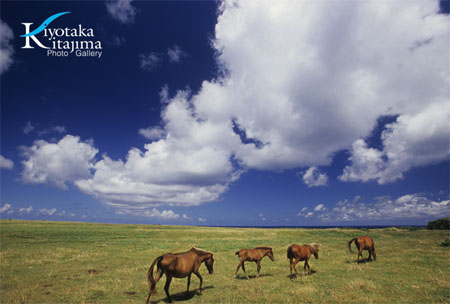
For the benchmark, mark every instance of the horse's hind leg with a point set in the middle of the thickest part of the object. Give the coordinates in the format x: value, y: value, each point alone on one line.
x: 199, y: 291
x: 166, y: 287
x: 237, y: 268
x: 158, y: 275
x: 148, y: 298
x: 295, y: 264
x: 243, y: 268
x: 370, y: 255
x: 359, y: 252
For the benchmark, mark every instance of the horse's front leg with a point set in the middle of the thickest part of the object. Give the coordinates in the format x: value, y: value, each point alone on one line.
x: 258, y: 267
x: 188, y: 282
x: 199, y: 291
x: 370, y: 255
x: 166, y: 287
x: 290, y: 266
x: 306, y: 265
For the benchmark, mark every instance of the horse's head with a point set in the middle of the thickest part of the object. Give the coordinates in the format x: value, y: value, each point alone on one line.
x: 270, y: 255
x: 209, y: 262
x: 315, y: 250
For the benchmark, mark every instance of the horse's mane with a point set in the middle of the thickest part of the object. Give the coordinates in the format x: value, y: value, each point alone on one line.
x: 314, y: 247
x: 263, y: 247
x: 201, y: 251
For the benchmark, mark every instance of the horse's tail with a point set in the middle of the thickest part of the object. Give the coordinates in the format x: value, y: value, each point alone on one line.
x: 237, y: 252
x: 290, y: 254
x: 151, y: 281
x: 349, y: 243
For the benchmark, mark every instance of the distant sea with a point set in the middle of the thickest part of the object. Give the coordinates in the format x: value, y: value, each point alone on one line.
x: 325, y: 227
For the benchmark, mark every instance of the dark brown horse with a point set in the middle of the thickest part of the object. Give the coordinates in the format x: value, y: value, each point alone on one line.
x: 179, y: 265
x: 253, y: 255
x: 364, y: 243
x: 297, y: 253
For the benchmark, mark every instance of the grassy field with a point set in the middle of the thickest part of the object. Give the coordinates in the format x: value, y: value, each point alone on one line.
x: 59, y: 262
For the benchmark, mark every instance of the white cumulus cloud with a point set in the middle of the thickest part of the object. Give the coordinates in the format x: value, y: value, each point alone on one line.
x: 175, y: 54
x: 121, y: 10
x: 6, y: 48
x: 319, y: 207
x: 190, y: 166
x: 408, y: 206
x: 49, y: 212
x: 279, y: 56
x: 413, y: 140
x: 6, y: 163
x: 313, y: 177
x: 165, y: 214
x: 150, y: 61
x: 26, y: 210
x: 300, y: 81
x: 152, y: 133
x: 6, y: 208
x: 58, y: 163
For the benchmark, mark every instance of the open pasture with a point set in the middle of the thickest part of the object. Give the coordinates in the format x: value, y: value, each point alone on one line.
x: 61, y: 262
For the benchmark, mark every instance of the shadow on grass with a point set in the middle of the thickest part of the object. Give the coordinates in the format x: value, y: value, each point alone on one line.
x: 361, y: 261
x: 182, y: 296
x: 243, y: 277
x: 301, y: 274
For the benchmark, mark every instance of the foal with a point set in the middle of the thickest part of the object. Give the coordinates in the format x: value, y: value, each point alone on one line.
x: 253, y: 255
x: 179, y: 265
x: 297, y: 253
x: 364, y: 243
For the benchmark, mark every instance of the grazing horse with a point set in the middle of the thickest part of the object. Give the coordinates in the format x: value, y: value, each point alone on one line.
x: 297, y: 253
x: 364, y: 243
x: 253, y: 255
x: 179, y: 265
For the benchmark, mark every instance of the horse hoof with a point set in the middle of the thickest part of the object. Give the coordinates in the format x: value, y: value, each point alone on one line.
x: 199, y: 292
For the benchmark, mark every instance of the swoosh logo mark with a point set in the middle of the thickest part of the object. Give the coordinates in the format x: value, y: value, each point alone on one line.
x: 44, y: 24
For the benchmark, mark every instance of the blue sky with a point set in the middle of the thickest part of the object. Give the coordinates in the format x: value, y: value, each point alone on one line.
x: 302, y: 113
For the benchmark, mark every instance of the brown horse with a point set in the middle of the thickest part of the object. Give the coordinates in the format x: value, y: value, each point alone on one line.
x: 253, y: 255
x: 364, y: 243
x: 297, y: 253
x: 179, y: 265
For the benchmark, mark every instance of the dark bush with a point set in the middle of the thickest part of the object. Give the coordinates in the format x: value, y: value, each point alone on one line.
x: 446, y: 243
x: 441, y: 224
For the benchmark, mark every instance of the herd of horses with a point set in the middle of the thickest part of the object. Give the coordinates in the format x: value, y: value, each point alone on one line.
x: 181, y: 265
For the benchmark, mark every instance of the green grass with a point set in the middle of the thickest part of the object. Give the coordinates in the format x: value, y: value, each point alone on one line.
x: 58, y: 262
